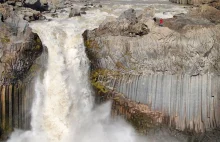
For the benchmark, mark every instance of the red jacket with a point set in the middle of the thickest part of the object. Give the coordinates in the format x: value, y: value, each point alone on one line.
x: 161, y: 21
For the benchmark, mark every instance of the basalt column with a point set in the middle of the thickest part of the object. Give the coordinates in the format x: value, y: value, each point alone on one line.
x: 15, y: 106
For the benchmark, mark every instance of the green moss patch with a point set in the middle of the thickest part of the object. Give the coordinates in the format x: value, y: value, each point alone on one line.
x: 5, y: 40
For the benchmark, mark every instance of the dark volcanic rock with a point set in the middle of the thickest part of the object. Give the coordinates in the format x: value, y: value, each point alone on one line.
x: 36, y: 4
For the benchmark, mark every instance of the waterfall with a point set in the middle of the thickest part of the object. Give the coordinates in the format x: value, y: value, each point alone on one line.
x: 63, y: 109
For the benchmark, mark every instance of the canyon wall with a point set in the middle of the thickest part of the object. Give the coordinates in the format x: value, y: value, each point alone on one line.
x: 173, y: 69
x: 193, y: 2
x: 19, y: 48
x: 15, y: 107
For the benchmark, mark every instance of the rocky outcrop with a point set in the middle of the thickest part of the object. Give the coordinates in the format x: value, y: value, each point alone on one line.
x: 206, y: 12
x: 215, y: 4
x: 40, y: 5
x: 173, y: 69
x: 126, y: 25
x: 19, y: 48
x: 74, y: 12
x: 193, y: 2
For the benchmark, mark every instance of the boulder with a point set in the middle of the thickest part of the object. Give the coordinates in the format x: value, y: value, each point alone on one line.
x: 2, y: 1
x: 42, y: 18
x: 5, y: 10
x: 53, y: 10
x: 27, y: 18
x: 19, y: 4
x: 74, y: 12
x: 11, y: 3
x: 83, y: 10
x: 36, y: 4
x: 126, y: 25
x: 148, y: 12
x: 30, y: 15
x: 129, y: 15
x: 54, y: 15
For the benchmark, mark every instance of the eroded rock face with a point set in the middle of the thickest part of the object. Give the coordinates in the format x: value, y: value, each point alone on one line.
x: 173, y: 69
x: 125, y: 25
x: 161, y: 50
x: 19, y: 46
x: 194, y: 2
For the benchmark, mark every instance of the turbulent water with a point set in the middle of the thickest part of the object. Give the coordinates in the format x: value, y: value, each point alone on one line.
x: 63, y: 109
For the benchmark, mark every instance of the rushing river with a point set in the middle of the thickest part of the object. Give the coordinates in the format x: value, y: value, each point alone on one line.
x: 64, y: 109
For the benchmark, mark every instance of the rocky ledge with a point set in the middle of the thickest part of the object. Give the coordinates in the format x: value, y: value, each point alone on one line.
x: 195, y: 2
x: 173, y: 69
x: 19, y: 46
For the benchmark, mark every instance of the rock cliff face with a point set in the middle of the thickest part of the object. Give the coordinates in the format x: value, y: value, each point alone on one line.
x: 19, y: 48
x: 193, y: 2
x: 172, y: 69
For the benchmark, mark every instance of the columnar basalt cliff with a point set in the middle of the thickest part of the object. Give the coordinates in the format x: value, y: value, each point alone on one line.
x: 19, y: 48
x: 173, y: 69
x: 193, y: 2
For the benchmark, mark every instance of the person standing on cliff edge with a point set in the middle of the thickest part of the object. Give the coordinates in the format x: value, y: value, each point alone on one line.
x: 161, y: 22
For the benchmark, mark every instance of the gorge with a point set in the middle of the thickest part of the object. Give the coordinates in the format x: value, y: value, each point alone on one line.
x: 163, y: 80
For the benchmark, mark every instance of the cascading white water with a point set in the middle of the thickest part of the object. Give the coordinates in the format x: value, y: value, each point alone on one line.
x: 63, y: 106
